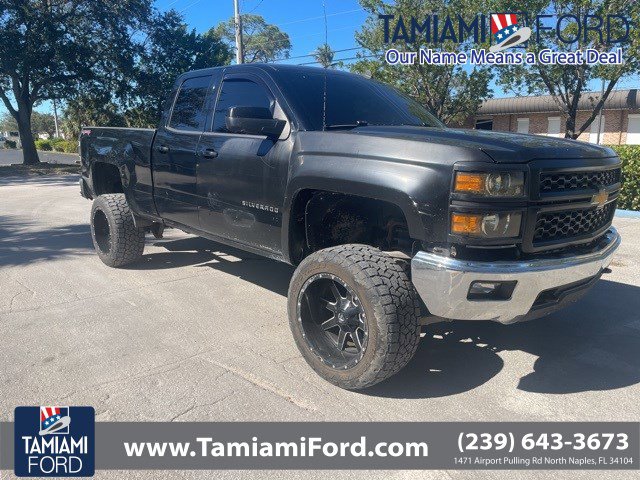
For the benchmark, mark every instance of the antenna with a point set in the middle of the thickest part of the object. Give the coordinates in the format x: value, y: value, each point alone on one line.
x: 324, y: 99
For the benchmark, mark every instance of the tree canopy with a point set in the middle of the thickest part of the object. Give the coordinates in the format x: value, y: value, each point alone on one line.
x: 262, y: 42
x: 450, y: 92
x: 111, y: 62
x: 569, y: 84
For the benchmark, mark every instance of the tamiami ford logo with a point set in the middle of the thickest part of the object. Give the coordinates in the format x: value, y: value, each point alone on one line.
x: 508, y: 33
x: 54, y: 441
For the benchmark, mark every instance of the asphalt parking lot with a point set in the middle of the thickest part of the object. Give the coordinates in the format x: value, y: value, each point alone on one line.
x: 11, y: 156
x: 198, y: 331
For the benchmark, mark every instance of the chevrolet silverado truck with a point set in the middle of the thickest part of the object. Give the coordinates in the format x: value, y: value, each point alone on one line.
x: 392, y: 219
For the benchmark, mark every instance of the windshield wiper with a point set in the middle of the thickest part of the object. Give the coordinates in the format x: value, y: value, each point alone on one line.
x: 347, y: 126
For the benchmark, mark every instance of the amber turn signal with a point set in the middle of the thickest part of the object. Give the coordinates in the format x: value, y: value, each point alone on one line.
x: 465, y: 223
x: 469, y: 182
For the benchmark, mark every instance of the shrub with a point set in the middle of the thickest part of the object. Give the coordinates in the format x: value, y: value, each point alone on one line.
x: 44, y: 145
x: 630, y: 193
x: 66, y: 146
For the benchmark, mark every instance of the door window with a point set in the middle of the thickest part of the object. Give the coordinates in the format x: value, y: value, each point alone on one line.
x: 239, y: 93
x: 188, y: 110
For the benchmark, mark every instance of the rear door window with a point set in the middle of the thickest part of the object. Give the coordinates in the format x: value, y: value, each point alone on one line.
x: 188, y: 110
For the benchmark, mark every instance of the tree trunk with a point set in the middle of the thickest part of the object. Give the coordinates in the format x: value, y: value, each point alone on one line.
x: 29, y: 152
x: 570, y: 125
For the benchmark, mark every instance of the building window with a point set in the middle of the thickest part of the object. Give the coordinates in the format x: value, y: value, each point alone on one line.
x: 484, y: 124
x: 593, y: 133
x: 553, y: 128
x: 523, y: 125
x: 633, y: 129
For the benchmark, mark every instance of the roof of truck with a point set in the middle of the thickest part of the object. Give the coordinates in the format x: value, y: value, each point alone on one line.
x: 269, y: 67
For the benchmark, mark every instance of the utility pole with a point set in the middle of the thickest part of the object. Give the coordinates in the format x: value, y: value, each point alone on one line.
x: 238, y: 24
x: 55, y: 118
x: 600, y: 115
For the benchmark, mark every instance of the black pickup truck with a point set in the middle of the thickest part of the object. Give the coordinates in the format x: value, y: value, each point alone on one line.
x: 392, y: 219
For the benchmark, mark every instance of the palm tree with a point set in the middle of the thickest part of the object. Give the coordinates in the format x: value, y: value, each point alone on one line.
x: 324, y: 55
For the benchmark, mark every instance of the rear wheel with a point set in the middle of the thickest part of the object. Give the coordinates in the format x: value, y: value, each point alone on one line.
x: 354, y: 315
x: 118, y: 242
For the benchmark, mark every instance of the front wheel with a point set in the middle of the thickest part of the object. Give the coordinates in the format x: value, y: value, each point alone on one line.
x: 117, y: 240
x: 354, y: 315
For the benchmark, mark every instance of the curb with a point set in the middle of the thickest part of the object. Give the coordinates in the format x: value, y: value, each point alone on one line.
x: 627, y: 214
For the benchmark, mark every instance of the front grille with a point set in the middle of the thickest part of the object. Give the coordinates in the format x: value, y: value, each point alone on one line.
x: 566, y: 224
x: 564, y: 182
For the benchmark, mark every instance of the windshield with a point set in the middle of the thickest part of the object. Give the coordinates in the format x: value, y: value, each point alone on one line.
x: 351, y: 101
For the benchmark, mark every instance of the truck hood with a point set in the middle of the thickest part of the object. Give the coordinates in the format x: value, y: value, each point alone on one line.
x: 500, y: 146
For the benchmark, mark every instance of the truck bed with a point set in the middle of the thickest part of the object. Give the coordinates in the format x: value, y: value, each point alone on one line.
x: 128, y: 150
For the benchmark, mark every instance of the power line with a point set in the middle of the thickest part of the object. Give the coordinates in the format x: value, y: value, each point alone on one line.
x: 320, y: 17
x: 312, y: 54
x: 262, y: 44
x: 189, y: 6
x: 342, y: 59
x: 254, y: 8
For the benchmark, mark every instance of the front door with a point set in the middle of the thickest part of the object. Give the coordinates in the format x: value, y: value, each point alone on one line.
x: 241, y: 177
x: 174, y: 153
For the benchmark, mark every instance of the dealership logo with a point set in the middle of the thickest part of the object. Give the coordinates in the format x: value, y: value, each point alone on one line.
x: 505, y: 31
x: 54, y: 441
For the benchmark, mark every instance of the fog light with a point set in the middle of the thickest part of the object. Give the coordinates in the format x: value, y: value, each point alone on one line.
x: 489, y: 290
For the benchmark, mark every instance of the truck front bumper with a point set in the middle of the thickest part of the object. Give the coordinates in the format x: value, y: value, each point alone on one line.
x: 523, y: 290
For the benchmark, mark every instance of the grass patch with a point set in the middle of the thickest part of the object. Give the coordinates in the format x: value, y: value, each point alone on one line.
x: 42, y: 168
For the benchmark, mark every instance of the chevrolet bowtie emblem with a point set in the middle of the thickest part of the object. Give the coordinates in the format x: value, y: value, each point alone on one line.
x: 600, y: 198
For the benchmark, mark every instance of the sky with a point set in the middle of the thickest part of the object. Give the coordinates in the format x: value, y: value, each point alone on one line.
x: 302, y: 20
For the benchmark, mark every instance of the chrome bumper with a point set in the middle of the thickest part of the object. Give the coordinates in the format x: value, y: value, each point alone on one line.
x: 443, y: 282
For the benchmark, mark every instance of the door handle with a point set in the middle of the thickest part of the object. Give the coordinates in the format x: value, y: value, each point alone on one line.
x: 163, y: 149
x: 209, y: 153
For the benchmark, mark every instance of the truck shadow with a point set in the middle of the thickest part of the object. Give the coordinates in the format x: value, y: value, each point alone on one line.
x: 22, y: 244
x: 591, y: 345
x: 202, y: 253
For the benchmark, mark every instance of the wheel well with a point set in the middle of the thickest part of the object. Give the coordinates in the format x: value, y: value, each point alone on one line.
x: 321, y: 219
x: 106, y: 179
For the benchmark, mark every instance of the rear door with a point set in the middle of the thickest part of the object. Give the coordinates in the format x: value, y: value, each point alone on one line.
x: 174, y: 151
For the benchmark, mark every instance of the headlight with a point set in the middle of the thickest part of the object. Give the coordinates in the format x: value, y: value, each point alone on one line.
x: 498, y: 184
x: 492, y: 225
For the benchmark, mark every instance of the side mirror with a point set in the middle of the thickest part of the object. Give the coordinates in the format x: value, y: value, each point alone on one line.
x: 254, y: 121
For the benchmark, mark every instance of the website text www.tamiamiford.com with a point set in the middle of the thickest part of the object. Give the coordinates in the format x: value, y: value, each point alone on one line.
x: 305, y: 447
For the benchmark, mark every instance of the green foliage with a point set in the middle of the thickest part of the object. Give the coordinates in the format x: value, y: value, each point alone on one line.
x: 44, y: 145
x: 62, y: 49
x: 43, y: 123
x: 170, y: 50
x: 324, y: 55
x: 64, y: 146
x: 8, y: 123
x: 568, y: 84
x: 629, y: 198
x: 262, y: 42
x: 451, y: 93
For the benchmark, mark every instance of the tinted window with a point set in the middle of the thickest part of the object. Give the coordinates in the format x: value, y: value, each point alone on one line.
x: 188, y: 110
x: 351, y: 99
x: 239, y: 93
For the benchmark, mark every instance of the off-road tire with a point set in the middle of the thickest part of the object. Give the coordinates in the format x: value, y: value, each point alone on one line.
x: 390, y: 303
x: 118, y: 242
